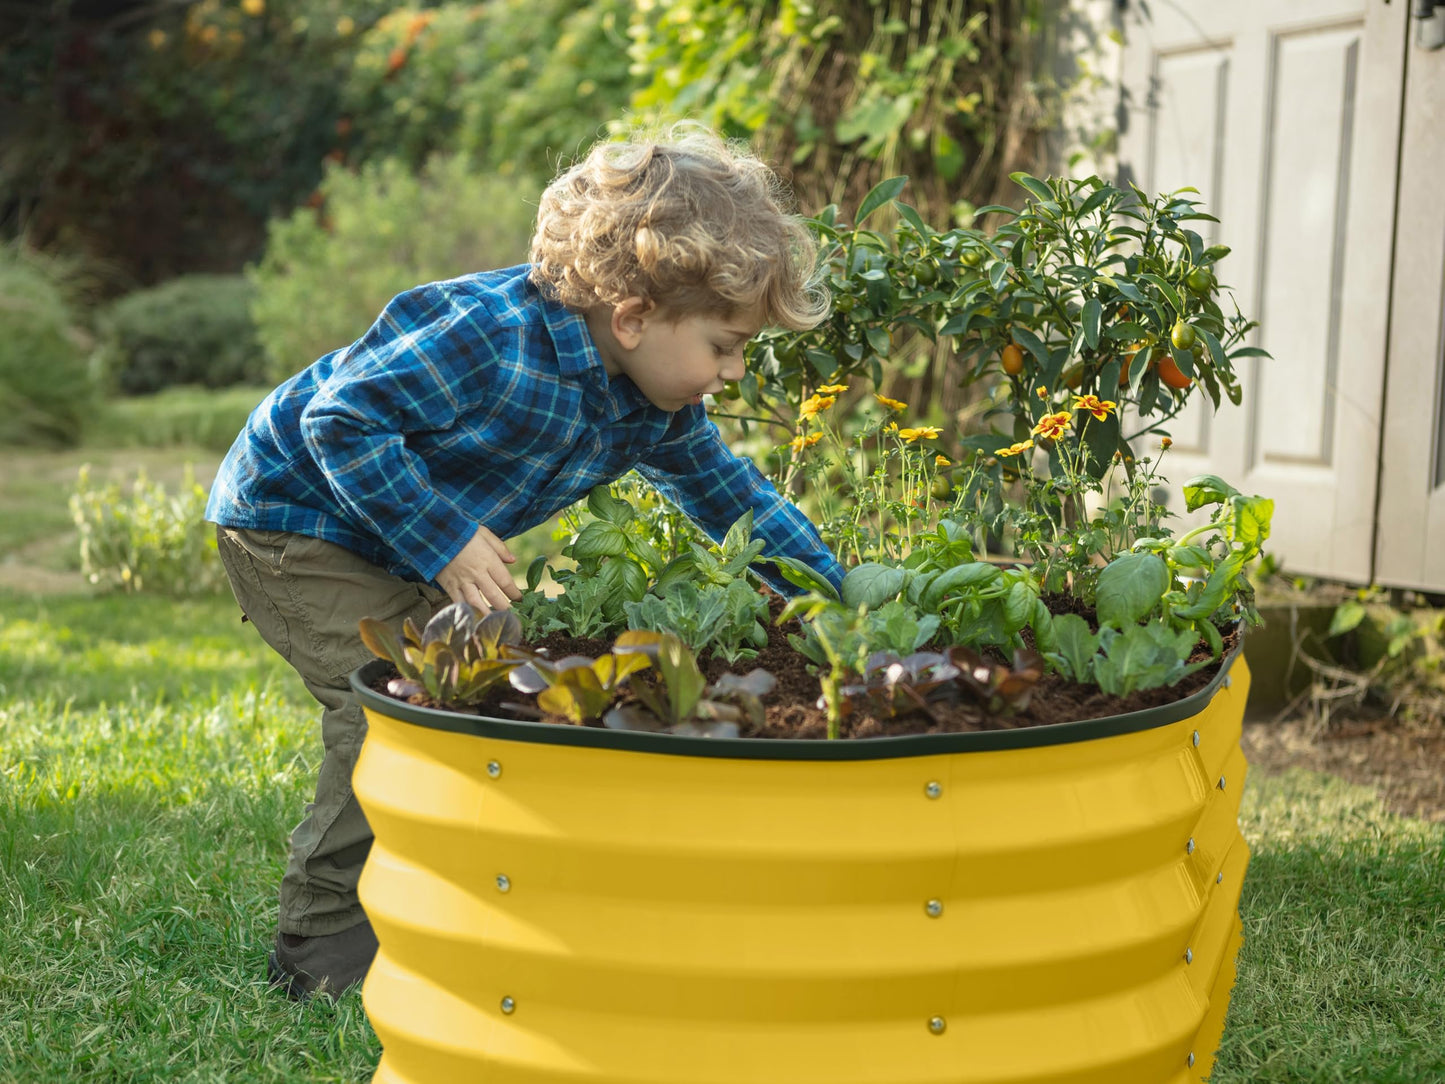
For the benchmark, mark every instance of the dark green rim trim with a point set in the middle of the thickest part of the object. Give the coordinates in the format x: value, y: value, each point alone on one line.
x: 909, y: 745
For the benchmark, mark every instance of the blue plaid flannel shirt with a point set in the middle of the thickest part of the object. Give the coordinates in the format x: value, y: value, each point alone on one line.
x: 478, y: 401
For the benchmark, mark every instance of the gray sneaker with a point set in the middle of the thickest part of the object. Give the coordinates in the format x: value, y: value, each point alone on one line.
x: 332, y: 963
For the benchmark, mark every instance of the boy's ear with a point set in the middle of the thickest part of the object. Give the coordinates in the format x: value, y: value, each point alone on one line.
x: 629, y: 318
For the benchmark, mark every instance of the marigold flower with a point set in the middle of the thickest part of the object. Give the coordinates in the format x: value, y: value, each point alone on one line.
x: 942, y: 461
x: 1052, y: 426
x: 814, y: 405
x: 798, y: 443
x: 1099, y: 408
x: 1042, y: 392
x: 157, y: 38
x: 254, y: 8
x: 1165, y: 442
x: 832, y: 389
x: 891, y: 427
x: 891, y: 404
x: 1017, y: 449
x: 923, y: 432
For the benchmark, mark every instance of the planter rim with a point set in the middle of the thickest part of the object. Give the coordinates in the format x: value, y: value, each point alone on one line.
x: 906, y: 745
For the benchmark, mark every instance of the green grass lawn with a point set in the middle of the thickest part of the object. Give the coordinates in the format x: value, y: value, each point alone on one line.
x: 153, y: 755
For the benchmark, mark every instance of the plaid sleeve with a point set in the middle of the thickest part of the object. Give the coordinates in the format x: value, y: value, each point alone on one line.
x: 694, y: 469
x: 405, y: 375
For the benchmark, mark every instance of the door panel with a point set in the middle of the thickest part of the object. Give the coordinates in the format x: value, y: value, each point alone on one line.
x: 1284, y: 114
x: 1411, y: 533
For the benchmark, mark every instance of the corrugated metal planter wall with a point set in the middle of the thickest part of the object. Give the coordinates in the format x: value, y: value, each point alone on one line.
x: 1055, y: 904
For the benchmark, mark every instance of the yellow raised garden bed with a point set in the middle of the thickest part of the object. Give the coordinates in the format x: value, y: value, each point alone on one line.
x: 565, y: 904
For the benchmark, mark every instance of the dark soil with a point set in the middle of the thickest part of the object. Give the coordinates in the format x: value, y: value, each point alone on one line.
x: 794, y: 708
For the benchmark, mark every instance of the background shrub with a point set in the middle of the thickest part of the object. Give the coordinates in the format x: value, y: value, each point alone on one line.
x: 382, y: 230
x: 152, y: 540
x: 46, y: 391
x: 196, y: 329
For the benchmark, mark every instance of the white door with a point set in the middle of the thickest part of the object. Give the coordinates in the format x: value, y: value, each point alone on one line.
x: 1410, y: 551
x: 1285, y: 115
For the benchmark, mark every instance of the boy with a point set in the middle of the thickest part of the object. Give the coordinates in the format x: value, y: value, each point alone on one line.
x: 382, y: 480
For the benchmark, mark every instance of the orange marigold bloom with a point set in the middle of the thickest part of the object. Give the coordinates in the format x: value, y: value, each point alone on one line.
x: 942, y: 461
x: 1099, y: 408
x: 814, y: 405
x: 1017, y: 449
x: 832, y: 389
x: 923, y: 432
x: 1042, y: 392
x: 1165, y: 442
x: 891, y: 404
x: 1052, y: 426
x: 798, y: 443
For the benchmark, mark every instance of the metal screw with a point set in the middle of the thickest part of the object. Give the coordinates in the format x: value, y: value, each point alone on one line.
x: 1196, y: 739
x: 1191, y: 1059
x: 493, y: 769
x: 933, y: 790
x: 937, y: 1025
x: 934, y: 908
x: 1221, y: 782
x: 504, y: 883
x: 1228, y: 680
x: 1219, y: 877
x: 1189, y: 956
x: 508, y: 1005
x: 1189, y: 847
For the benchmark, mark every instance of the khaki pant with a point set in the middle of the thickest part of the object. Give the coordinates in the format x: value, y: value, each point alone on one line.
x: 306, y: 598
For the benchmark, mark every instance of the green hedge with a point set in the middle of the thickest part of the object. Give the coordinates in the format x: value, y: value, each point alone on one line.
x: 46, y: 391
x: 196, y: 329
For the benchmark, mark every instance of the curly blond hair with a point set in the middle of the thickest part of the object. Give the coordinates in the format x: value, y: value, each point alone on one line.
x: 683, y: 219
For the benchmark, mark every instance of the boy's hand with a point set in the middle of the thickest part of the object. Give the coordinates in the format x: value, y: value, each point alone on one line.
x: 478, y: 575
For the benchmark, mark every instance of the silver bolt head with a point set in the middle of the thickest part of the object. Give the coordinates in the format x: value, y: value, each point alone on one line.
x: 938, y: 1025
x: 1191, y: 1059
x: 934, y: 908
x: 508, y: 1005
x: 504, y: 883
x: 1189, y: 847
x: 1220, y: 784
x: 1196, y: 739
x: 1189, y: 956
x: 1228, y: 680
x: 933, y: 789
x: 493, y: 769
x: 1219, y: 877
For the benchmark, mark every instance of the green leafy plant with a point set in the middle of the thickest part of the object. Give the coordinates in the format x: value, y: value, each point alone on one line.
x: 725, y: 620
x: 1144, y: 656
x: 680, y: 701
x: 152, y: 540
x: 455, y: 661
x: 577, y: 688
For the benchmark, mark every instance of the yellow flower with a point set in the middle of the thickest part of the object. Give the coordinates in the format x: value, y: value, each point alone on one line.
x: 344, y: 26
x: 923, y: 432
x: 1099, y: 408
x: 1052, y: 426
x: 832, y: 389
x: 1016, y: 449
x: 891, y: 427
x: 942, y: 461
x: 891, y: 404
x: 157, y: 38
x: 1042, y: 392
x: 1165, y: 442
x: 253, y: 8
x: 814, y: 405
x: 798, y: 443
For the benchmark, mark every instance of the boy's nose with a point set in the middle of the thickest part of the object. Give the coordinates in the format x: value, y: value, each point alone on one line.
x: 733, y: 370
